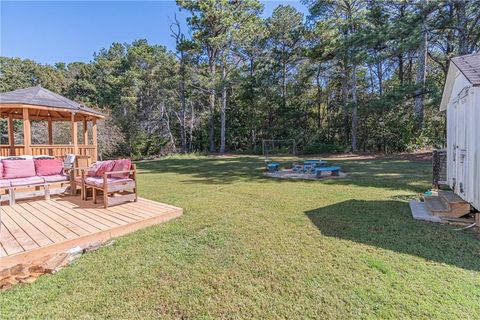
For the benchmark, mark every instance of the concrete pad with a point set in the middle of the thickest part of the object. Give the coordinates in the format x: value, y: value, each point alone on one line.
x: 420, y: 212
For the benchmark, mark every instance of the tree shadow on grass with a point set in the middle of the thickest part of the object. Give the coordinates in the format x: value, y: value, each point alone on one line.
x: 389, y: 225
x: 391, y: 174
x: 413, y: 176
x: 207, y: 170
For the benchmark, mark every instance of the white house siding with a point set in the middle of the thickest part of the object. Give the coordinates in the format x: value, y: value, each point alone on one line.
x: 463, y: 133
x: 461, y: 101
x: 457, y: 81
x: 472, y: 191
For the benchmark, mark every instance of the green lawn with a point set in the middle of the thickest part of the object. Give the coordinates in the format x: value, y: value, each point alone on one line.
x: 255, y: 247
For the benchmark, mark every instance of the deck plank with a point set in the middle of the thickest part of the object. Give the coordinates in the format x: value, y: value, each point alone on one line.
x: 152, y: 210
x: 65, y: 222
x: 158, y: 204
x: 60, y: 225
x: 82, y: 216
x: 100, y: 211
x: 147, y: 208
x: 134, y: 211
x: 9, y: 243
x: 74, y: 217
x: 22, y: 238
x: 48, y: 231
x: 37, y: 236
x: 3, y: 253
x: 122, y: 214
x: 91, y: 213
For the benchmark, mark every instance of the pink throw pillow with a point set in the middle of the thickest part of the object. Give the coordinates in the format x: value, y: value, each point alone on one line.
x: 105, y: 167
x: 1, y: 169
x: 121, y: 165
x: 13, y: 169
x: 48, y: 167
x: 92, y: 170
x: 100, y: 167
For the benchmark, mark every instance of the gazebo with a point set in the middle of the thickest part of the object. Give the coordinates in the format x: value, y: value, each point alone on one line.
x: 40, y: 104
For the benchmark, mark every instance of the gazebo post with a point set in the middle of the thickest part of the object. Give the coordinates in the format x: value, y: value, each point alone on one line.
x: 50, y: 131
x: 74, y: 134
x: 94, y: 139
x: 11, y: 135
x: 85, y: 131
x: 27, y: 135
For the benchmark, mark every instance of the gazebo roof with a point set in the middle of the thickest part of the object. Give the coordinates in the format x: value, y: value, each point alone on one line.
x: 38, y: 96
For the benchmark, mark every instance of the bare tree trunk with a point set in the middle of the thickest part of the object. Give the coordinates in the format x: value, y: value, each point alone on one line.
x: 192, y: 122
x: 183, y: 133
x: 401, y: 72
x: 380, y: 77
x: 345, y: 102
x: 319, y: 99
x: 284, y: 85
x: 211, y: 100
x: 354, y: 110
x: 400, y: 69
x: 462, y: 27
x: 372, y: 80
x: 420, y: 79
x: 410, y: 68
x: 253, y: 124
x: 166, y: 116
x: 223, y: 109
x: 181, y: 116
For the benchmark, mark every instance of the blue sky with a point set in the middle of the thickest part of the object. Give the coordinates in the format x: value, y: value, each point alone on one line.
x: 67, y: 31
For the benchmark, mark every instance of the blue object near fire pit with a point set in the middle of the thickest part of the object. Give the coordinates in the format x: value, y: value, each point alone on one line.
x: 273, y: 166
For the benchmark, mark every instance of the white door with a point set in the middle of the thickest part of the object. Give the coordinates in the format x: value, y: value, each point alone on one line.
x: 461, y: 144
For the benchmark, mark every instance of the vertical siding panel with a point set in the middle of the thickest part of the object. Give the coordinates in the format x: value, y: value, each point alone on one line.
x: 471, y: 146
x: 450, y: 142
x: 476, y: 137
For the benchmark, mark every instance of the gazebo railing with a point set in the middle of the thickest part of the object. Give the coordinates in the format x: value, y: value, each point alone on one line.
x: 50, y: 150
x: 5, y: 150
x: 87, y: 150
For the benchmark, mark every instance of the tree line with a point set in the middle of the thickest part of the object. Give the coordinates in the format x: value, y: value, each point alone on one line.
x: 351, y: 75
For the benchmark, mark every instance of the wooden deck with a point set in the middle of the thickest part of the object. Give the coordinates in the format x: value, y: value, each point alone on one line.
x: 36, y: 228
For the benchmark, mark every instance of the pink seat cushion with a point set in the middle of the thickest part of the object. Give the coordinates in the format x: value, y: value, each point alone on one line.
x: 100, y: 167
x: 98, y: 181
x: 18, y: 168
x: 1, y: 169
x: 4, y: 183
x: 55, y: 178
x: 26, y: 181
x: 48, y: 167
x: 121, y: 165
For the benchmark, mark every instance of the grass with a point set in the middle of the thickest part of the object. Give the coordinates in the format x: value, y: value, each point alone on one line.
x: 255, y: 247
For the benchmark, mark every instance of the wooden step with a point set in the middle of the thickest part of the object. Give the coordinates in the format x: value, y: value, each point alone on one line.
x: 458, y: 206
x: 450, y: 197
x: 436, y: 206
x: 459, y: 209
x: 447, y: 205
